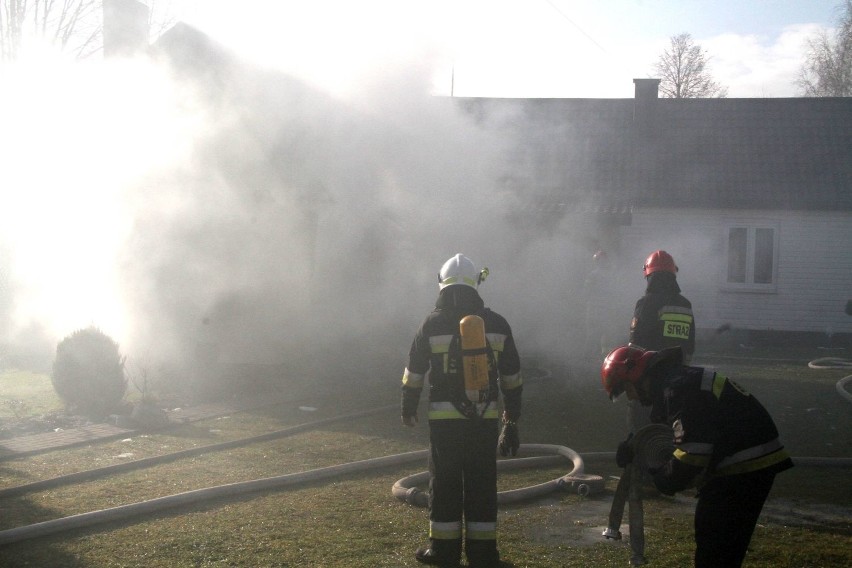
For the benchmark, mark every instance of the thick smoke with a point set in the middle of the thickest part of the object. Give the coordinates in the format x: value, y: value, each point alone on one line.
x: 304, y: 235
x: 261, y: 230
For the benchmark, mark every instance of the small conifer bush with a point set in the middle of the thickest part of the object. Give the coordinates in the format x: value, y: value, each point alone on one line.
x: 88, y: 373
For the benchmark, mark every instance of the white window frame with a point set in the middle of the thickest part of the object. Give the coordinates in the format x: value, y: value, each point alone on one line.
x: 750, y: 285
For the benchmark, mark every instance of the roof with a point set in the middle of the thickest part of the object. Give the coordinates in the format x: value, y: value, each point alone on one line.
x: 778, y: 153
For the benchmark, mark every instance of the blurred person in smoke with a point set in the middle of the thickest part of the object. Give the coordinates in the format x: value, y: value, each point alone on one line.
x: 662, y: 318
x: 599, y: 297
x: 469, y: 354
x: 725, y: 442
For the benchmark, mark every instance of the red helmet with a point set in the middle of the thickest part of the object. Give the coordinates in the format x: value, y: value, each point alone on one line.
x: 659, y: 260
x: 624, y: 364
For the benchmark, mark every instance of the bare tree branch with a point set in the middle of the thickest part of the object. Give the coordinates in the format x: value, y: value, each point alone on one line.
x: 683, y: 71
x: 827, y: 71
x: 74, y: 26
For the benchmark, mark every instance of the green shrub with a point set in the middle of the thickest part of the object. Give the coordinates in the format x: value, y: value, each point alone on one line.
x: 88, y: 373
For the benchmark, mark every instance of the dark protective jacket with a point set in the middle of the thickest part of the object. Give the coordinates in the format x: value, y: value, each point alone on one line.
x: 430, y: 352
x: 719, y: 428
x: 663, y: 317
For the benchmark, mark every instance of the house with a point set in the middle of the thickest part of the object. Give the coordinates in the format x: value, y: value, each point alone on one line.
x: 753, y: 198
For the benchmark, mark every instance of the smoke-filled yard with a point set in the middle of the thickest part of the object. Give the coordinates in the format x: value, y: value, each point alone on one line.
x: 237, y: 233
x: 355, y: 521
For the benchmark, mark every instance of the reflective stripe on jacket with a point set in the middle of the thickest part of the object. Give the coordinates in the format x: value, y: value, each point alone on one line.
x: 719, y: 428
x: 430, y: 354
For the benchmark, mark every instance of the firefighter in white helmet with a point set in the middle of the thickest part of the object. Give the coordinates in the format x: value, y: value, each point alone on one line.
x: 464, y: 381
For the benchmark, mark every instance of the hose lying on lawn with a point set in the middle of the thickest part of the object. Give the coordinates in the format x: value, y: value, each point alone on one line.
x: 123, y: 467
x: 835, y: 363
x: 144, y: 508
x: 406, y: 488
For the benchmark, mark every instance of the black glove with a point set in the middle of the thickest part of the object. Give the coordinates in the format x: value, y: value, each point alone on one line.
x: 509, y: 441
x: 624, y: 453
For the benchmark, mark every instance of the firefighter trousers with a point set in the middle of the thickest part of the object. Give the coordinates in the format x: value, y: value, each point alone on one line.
x: 725, y: 516
x: 463, y: 489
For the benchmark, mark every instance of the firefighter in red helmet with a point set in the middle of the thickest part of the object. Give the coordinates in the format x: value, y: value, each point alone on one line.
x: 723, y: 437
x: 464, y: 381
x: 662, y: 318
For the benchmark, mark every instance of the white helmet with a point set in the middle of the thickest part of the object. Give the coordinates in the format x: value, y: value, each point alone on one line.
x: 460, y: 270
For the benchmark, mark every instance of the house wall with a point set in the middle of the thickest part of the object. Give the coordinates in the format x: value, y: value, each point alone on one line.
x: 814, y: 271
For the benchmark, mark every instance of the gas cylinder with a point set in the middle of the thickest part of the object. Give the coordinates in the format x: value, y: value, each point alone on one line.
x: 474, y: 357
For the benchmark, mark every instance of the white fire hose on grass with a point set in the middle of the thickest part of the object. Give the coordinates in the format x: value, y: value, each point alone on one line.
x: 835, y: 363
x: 652, y: 446
x: 584, y: 484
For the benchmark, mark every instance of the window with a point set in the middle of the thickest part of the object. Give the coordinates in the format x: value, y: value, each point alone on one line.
x: 752, y: 258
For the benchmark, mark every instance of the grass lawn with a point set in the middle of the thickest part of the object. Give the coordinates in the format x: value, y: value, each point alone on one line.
x: 354, y: 521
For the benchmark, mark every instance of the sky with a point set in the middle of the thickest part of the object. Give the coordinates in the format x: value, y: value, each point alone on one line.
x: 517, y: 48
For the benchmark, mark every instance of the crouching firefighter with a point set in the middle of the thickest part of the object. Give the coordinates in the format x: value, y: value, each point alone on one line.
x: 725, y: 442
x: 470, y: 356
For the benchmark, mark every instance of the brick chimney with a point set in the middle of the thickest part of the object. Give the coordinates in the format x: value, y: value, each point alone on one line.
x: 644, y: 103
x: 125, y: 27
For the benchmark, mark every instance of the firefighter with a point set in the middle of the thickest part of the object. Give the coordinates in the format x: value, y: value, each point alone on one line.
x: 463, y: 418
x: 725, y: 443
x: 662, y: 318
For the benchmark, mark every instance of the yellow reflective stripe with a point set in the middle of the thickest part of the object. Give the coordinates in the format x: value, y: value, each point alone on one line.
x: 511, y: 381
x: 754, y: 465
x: 675, y: 310
x: 446, y: 411
x: 711, y: 381
x: 440, y: 343
x: 480, y: 531
x: 682, y: 318
x: 455, y: 280
x: 751, y: 453
x: 445, y: 531
x: 497, y: 341
x: 414, y: 380
x: 718, y: 385
x: 456, y: 415
x: 690, y: 459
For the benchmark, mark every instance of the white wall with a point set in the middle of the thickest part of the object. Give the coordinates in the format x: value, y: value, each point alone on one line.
x: 814, y: 278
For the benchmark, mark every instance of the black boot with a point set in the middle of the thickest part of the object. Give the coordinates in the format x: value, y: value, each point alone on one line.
x: 429, y: 556
x: 482, y: 554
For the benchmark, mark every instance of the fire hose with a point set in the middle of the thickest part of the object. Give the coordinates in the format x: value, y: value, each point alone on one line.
x: 835, y: 363
x: 406, y: 489
x: 133, y: 510
x: 583, y: 483
x: 652, y: 447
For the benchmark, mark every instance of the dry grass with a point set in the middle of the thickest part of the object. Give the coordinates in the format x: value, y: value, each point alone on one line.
x: 355, y: 522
